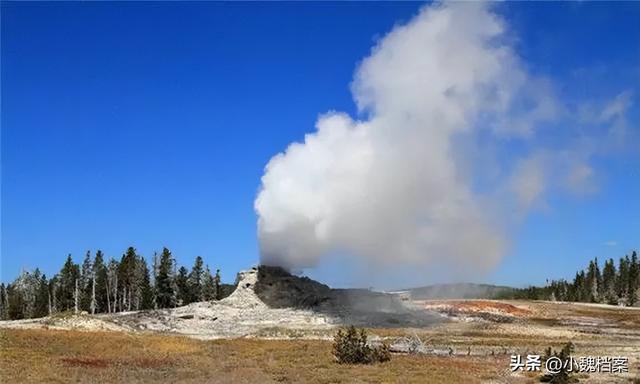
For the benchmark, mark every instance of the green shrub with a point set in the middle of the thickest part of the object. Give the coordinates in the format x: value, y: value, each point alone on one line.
x: 381, y: 353
x: 350, y: 347
x: 564, y: 376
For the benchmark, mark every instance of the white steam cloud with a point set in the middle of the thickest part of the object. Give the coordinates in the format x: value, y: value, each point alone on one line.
x: 424, y: 174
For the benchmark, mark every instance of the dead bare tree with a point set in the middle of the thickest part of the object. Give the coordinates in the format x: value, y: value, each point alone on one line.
x: 108, y: 298
x: 75, y: 298
x: 54, y: 307
x: 115, y: 295
x: 93, y: 294
x: 410, y: 344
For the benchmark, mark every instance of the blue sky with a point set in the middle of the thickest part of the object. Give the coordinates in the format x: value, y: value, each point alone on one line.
x: 150, y: 124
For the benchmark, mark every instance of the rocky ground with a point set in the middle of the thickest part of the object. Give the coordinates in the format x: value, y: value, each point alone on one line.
x: 491, y: 328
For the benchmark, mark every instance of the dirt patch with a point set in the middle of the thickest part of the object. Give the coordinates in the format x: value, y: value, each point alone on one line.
x: 476, y: 306
x: 474, y: 310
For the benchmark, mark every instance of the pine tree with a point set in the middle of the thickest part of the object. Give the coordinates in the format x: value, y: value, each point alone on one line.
x: 66, y: 291
x: 41, y: 305
x: 559, y: 290
x: 608, y: 282
x: 146, y: 290
x: 622, y: 280
x: 182, y: 283
x: 15, y: 304
x: 216, y: 282
x: 580, y: 287
x: 165, y: 294
x: 598, y: 277
x: 208, y: 285
x: 634, y: 279
x: 591, y: 283
x: 127, y: 278
x: 3, y: 302
x: 100, y: 273
x: 196, y: 280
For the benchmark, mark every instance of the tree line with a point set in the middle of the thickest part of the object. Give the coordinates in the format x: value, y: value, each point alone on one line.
x: 610, y: 285
x: 108, y: 286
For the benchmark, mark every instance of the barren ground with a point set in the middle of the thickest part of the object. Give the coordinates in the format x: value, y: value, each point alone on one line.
x: 480, y: 335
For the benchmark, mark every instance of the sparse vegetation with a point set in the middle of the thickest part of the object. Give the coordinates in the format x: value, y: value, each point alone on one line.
x: 350, y: 347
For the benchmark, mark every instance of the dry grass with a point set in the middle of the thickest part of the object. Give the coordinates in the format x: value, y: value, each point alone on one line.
x: 55, y: 356
x: 72, y: 356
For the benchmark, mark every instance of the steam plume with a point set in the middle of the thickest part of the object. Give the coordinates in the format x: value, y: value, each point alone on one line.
x: 410, y: 181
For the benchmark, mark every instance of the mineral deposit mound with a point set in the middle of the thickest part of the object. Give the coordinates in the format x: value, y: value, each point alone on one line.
x: 277, y: 288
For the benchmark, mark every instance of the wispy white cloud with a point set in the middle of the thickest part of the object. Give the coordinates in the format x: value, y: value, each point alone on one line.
x: 617, y: 107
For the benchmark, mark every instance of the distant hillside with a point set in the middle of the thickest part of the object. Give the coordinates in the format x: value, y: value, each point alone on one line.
x: 459, y: 291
